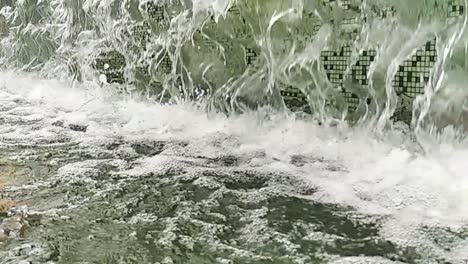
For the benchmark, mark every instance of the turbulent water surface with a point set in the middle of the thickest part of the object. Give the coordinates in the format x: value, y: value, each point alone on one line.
x: 104, y: 179
x: 248, y: 131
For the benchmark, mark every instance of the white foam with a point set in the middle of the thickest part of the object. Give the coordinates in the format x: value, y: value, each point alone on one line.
x: 379, y: 176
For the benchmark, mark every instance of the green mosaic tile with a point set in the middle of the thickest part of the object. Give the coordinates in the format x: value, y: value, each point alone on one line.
x: 414, y: 73
x: 294, y: 99
x: 164, y: 64
x: 456, y: 8
x: 141, y: 34
x: 345, y: 4
x: 111, y: 64
x: 156, y: 12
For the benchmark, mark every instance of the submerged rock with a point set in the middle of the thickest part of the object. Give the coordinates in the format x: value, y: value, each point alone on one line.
x: 6, y: 205
x: 78, y: 128
x: 15, y: 223
x: 4, y: 235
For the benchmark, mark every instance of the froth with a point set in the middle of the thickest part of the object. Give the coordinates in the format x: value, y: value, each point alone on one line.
x: 350, y: 165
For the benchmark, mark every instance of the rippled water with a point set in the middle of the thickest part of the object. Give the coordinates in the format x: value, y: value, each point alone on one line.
x: 124, y: 181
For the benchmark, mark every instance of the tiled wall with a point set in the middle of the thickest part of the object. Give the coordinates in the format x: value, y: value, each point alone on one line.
x: 409, y: 81
x: 410, y: 78
x: 413, y: 74
x: 111, y: 64
x: 457, y: 8
x: 336, y: 63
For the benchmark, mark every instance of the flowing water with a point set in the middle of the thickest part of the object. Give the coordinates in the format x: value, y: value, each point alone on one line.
x: 233, y: 131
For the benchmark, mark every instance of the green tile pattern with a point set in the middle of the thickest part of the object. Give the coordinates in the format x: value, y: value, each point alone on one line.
x: 337, y: 63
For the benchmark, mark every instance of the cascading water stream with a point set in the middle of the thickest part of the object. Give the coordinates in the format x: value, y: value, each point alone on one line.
x: 126, y: 26
x: 241, y: 54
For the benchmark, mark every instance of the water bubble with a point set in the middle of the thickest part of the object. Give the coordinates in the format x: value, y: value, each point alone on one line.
x: 103, y: 78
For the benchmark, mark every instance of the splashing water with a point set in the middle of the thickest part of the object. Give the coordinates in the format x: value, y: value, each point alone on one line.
x: 222, y: 131
x: 361, y: 60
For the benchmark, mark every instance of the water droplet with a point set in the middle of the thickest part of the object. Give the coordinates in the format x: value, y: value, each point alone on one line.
x: 103, y: 78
